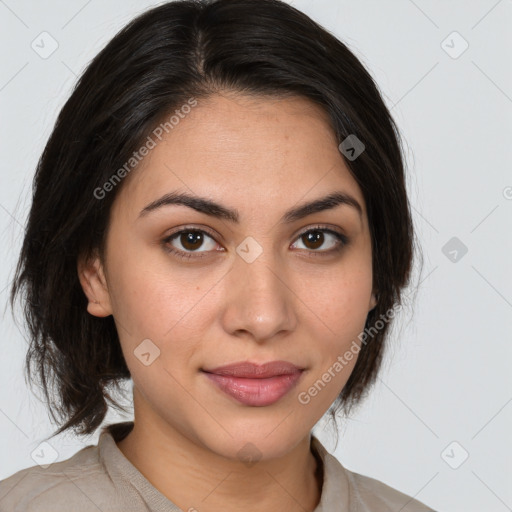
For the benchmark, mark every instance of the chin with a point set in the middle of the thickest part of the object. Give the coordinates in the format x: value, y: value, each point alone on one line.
x: 252, y: 440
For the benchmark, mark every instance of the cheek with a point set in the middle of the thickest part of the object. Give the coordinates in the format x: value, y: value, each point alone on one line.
x: 339, y: 298
x: 348, y: 307
x: 149, y: 295
x: 156, y: 302
x: 341, y: 307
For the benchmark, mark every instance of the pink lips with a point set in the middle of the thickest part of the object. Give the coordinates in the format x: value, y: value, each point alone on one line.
x: 256, y: 385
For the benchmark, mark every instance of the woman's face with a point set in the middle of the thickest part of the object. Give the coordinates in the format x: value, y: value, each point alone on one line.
x: 257, y: 288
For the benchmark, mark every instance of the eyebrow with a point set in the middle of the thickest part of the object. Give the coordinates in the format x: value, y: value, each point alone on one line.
x: 213, y: 209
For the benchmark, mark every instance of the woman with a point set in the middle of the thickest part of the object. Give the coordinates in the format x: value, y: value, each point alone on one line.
x: 220, y: 214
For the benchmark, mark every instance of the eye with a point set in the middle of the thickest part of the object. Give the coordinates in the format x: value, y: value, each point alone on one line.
x: 318, y: 237
x: 186, y: 243
x: 189, y: 240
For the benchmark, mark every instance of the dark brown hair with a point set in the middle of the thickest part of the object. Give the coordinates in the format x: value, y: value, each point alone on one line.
x: 179, y: 50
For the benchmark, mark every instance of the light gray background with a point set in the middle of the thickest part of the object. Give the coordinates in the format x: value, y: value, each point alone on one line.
x: 447, y: 374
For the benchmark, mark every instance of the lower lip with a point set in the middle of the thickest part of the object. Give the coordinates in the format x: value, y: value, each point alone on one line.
x: 256, y: 392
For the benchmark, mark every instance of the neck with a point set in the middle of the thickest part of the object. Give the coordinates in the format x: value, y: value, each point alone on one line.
x: 197, y: 479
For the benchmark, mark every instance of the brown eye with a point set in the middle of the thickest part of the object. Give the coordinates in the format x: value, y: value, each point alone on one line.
x: 315, y: 239
x: 197, y: 243
x: 191, y: 240
x: 188, y: 242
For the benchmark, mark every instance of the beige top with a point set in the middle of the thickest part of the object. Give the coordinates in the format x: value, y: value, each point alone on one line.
x: 101, y: 479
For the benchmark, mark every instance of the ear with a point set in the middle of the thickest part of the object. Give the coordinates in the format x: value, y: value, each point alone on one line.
x: 92, y: 278
x: 373, y: 301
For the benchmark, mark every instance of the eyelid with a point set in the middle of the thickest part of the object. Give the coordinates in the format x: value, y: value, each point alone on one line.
x: 214, y: 234
x: 321, y: 227
x: 204, y: 229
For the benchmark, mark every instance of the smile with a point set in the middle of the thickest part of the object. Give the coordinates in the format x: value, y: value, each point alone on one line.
x: 256, y: 385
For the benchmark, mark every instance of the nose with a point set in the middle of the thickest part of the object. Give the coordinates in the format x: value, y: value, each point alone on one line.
x: 260, y: 302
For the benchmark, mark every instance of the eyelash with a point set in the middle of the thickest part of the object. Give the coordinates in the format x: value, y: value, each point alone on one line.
x: 342, y: 242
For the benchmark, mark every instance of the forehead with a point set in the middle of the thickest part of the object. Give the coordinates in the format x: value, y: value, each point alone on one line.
x: 258, y: 152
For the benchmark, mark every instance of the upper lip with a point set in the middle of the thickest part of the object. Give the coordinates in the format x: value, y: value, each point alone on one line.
x: 250, y: 370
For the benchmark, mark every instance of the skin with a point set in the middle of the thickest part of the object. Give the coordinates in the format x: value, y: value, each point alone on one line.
x: 260, y: 156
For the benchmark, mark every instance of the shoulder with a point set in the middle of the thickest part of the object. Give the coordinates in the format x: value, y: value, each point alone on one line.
x: 355, y: 492
x: 377, y: 495
x: 71, y: 484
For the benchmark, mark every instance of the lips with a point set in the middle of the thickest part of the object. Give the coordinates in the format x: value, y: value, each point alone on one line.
x: 254, y: 371
x: 256, y: 385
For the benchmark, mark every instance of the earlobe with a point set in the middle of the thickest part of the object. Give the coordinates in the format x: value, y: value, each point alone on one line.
x: 373, y: 302
x: 94, y: 285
